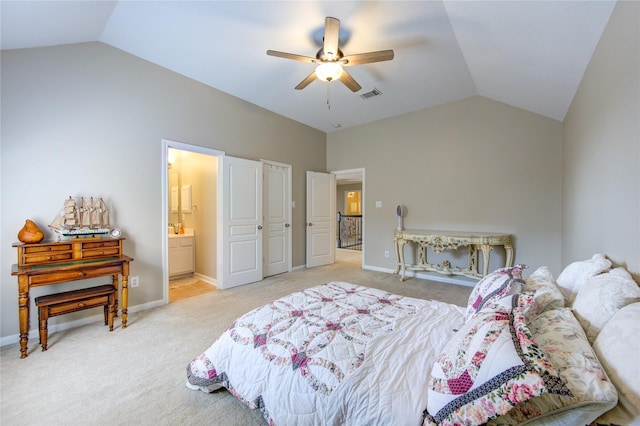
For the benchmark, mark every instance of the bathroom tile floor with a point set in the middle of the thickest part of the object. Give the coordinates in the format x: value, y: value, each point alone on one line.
x: 184, y: 288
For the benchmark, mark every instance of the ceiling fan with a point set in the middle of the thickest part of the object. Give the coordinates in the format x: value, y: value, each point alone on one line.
x: 330, y: 59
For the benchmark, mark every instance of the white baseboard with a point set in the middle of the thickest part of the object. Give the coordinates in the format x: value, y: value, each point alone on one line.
x: 433, y: 276
x: 299, y: 268
x: 206, y: 279
x: 35, y: 333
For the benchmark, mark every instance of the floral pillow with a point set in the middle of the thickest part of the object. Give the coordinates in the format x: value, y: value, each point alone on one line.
x: 494, y: 286
x: 561, y: 337
x: 489, y: 367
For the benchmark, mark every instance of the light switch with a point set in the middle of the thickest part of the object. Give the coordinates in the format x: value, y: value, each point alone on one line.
x: 378, y: 204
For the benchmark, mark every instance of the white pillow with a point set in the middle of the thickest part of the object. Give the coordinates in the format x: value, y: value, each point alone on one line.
x: 547, y: 294
x: 618, y: 349
x: 576, y: 273
x: 600, y: 297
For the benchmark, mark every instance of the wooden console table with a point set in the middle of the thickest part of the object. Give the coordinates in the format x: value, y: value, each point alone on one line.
x: 440, y: 241
x: 57, y: 262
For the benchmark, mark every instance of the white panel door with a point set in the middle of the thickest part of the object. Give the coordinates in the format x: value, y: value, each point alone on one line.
x: 321, y: 236
x: 242, y: 221
x: 276, y: 208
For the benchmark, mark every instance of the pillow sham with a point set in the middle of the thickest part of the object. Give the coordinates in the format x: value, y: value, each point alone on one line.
x: 547, y: 294
x: 576, y: 273
x: 490, y: 366
x: 600, y: 297
x: 562, y: 339
x: 498, y: 284
x: 618, y: 349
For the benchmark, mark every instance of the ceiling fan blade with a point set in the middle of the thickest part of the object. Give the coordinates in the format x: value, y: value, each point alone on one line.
x: 369, y: 57
x: 348, y: 81
x: 304, y: 83
x: 331, y: 37
x: 291, y: 56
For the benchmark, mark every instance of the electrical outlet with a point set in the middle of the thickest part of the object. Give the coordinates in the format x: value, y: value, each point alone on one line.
x: 386, y: 253
x: 134, y: 281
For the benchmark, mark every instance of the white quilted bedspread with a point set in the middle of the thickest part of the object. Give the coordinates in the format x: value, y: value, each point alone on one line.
x: 331, y: 355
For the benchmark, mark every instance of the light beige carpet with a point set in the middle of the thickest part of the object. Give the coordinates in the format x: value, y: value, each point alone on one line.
x: 137, y: 375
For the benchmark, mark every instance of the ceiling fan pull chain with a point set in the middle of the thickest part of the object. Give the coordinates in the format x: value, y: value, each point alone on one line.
x: 329, y: 95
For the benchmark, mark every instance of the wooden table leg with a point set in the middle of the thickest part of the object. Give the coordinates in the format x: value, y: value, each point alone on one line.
x: 125, y: 293
x: 23, y: 313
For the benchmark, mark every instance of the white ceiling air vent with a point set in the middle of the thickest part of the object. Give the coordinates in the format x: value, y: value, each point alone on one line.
x: 371, y: 94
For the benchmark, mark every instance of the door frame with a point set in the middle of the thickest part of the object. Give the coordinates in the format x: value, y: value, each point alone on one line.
x: 166, y: 144
x: 363, y: 197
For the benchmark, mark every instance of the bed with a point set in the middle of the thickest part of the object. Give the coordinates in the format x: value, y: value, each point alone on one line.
x: 534, y: 350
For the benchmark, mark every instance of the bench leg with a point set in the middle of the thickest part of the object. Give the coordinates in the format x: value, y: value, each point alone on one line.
x: 44, y: 317
x: 112, y: 308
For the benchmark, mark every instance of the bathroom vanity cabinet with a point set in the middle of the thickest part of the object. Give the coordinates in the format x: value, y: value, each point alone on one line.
x: 181, y: 254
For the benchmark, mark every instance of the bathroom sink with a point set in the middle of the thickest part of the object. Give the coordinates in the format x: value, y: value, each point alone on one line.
x: 188, y: 232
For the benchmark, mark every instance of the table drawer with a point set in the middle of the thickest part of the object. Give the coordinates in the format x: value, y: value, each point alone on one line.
x: 46, y: 248
x: 100, y: 244
x: 46, y: 257
x: 78, y: 305
x: 78, y: 274
x: 100, y: 252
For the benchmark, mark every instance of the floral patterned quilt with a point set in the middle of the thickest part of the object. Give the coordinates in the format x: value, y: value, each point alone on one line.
x: 334, y: 354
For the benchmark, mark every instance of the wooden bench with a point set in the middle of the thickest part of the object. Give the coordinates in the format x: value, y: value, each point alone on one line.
x: 72, y: 301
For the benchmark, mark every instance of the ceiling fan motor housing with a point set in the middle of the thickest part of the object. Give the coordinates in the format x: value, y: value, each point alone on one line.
x: 331, y: 57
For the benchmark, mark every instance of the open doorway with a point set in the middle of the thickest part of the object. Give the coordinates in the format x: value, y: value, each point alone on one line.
x: 350, y: 216
x: 190, y: 220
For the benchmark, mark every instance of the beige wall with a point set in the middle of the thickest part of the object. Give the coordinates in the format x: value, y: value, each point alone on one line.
x: 474, y: 165
x: 201, y: 172
x: 601, y: 202
x: 88, y: 119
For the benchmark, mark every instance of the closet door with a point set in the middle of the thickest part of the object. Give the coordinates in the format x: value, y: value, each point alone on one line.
x: 241, y: 222
x: 276, y: 208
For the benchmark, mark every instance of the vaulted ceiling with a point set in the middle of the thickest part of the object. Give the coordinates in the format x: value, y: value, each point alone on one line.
x: 529, y: 54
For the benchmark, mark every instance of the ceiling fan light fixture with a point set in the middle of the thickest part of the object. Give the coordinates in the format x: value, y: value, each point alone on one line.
x: 329, y: 71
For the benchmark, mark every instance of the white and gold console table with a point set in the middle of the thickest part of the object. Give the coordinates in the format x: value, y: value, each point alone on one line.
x: 440, y: 241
